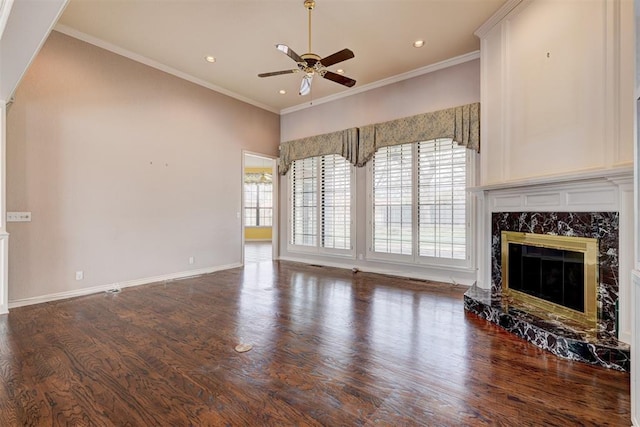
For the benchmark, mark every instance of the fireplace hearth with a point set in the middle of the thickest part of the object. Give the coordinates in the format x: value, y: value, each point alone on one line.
x: 589, y: 337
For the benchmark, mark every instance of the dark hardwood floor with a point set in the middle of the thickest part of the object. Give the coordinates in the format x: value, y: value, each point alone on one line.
x: 329, y: 348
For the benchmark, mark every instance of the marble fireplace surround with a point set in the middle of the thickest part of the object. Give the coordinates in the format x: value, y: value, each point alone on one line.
x: 598, y: 205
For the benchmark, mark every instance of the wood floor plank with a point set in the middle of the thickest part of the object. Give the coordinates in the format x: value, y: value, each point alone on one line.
x: 330, y: 347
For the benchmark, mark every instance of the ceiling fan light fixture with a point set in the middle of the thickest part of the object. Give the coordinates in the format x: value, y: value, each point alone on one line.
x: 340, y: 71
x: 311, y: 63
x: 210, y: 59
x: 418, y: 43
x: 282, y: 92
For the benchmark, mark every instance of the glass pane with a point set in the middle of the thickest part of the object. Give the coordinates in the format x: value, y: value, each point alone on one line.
x: 392, y: 200
x: 303, y: 181
x: 442, y: 222
x: 336, y: 202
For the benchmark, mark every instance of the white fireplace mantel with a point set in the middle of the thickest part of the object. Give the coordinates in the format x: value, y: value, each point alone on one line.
x: 603, y: 190
x: 609, y: 174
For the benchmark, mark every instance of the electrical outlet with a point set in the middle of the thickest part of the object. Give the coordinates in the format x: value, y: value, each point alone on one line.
x: 191, y: 260
x: 79, y: 275
x: 18, y: 216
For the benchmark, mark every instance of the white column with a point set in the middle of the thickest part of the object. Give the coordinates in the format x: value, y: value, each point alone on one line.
x: 4, y: 236
x: 625, y: 257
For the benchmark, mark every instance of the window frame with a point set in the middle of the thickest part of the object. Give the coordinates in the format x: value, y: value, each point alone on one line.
x: 258, y: 208
x: 471, y: 159
x: 318, y: 248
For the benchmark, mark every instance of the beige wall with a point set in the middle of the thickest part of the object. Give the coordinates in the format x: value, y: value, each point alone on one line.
x: 449, y: 87
x: 127, y: 171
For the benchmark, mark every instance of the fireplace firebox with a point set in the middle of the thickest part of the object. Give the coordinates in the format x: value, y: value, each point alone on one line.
x: 557, y: 274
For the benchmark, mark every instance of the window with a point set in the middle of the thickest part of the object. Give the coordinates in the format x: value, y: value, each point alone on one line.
x: 393, y: 200
x: 320, y: 205
x: 304, y: 206
x: 335, y: 202
x: 419, y: 203
x: 442, y: 201
x: 258, y: 201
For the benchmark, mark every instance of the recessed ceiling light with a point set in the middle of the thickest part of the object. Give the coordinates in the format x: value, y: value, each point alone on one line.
x: 210, y: 58
x: 418, y: 43
x: 340, y: 71
x: 282, y: 91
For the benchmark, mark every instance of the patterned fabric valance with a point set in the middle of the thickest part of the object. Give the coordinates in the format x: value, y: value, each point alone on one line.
x: 462, y: 124
x: 344, y: 143
x: 358, y: 145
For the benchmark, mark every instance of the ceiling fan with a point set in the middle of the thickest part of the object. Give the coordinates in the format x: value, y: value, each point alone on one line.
x: 311, y: 64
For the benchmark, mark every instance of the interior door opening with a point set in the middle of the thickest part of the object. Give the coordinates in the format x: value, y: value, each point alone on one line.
x: 259, y: 212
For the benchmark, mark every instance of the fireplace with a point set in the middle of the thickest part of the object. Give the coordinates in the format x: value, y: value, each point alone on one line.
x: 560, y: 240
x: 557, y: 274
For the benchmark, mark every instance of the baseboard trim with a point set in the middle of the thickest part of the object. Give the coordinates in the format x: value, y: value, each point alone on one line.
x: 119, y: 285
x: 427, y: 275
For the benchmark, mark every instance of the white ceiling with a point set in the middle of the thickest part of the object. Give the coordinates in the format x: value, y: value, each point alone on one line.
x: 176, y: 35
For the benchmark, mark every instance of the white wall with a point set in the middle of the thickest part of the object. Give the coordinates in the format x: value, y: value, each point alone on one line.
x: 556, y: 90
x: 127, y: 171
x: 449, y: 87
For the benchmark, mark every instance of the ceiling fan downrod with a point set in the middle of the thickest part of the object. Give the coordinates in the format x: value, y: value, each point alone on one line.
x: 309, y: 4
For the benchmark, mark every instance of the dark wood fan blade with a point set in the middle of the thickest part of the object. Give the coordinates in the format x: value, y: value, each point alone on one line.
x: 339, y: 79
x: 289, y: 52
x: 343, y: 55
x: 277, y: 73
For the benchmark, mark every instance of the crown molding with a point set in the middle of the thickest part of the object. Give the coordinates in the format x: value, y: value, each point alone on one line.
x: 71, y: 32
x: 157, y: 65
x: 385, y: 82
x: 497, y: 17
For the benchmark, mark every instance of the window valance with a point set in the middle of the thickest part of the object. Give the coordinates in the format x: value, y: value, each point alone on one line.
x: 357, y: 145
x: 344, y: 143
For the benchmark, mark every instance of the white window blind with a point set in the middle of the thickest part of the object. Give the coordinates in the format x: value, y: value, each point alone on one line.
x: 419, y: 204
x: 321, y: 203
x: 392, y: 200
x: 442, y: 177
x: 304, y: 202
x: 335, y: 215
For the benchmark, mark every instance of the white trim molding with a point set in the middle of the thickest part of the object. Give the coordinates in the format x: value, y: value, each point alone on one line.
x: 4, y: 273
x: 496, y: 18
x: 5, y: 11
x: 118, y: 286
x: 447, y: 276
x: 635, y: 363
x: 71, y: 32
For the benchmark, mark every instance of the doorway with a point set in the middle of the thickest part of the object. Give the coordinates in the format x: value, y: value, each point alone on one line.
x: 259, y: 214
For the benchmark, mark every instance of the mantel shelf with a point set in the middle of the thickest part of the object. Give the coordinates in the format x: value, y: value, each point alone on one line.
x: 610, y: 174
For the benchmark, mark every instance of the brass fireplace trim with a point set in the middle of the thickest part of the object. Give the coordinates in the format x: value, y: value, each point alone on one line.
x: 588, y: 246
